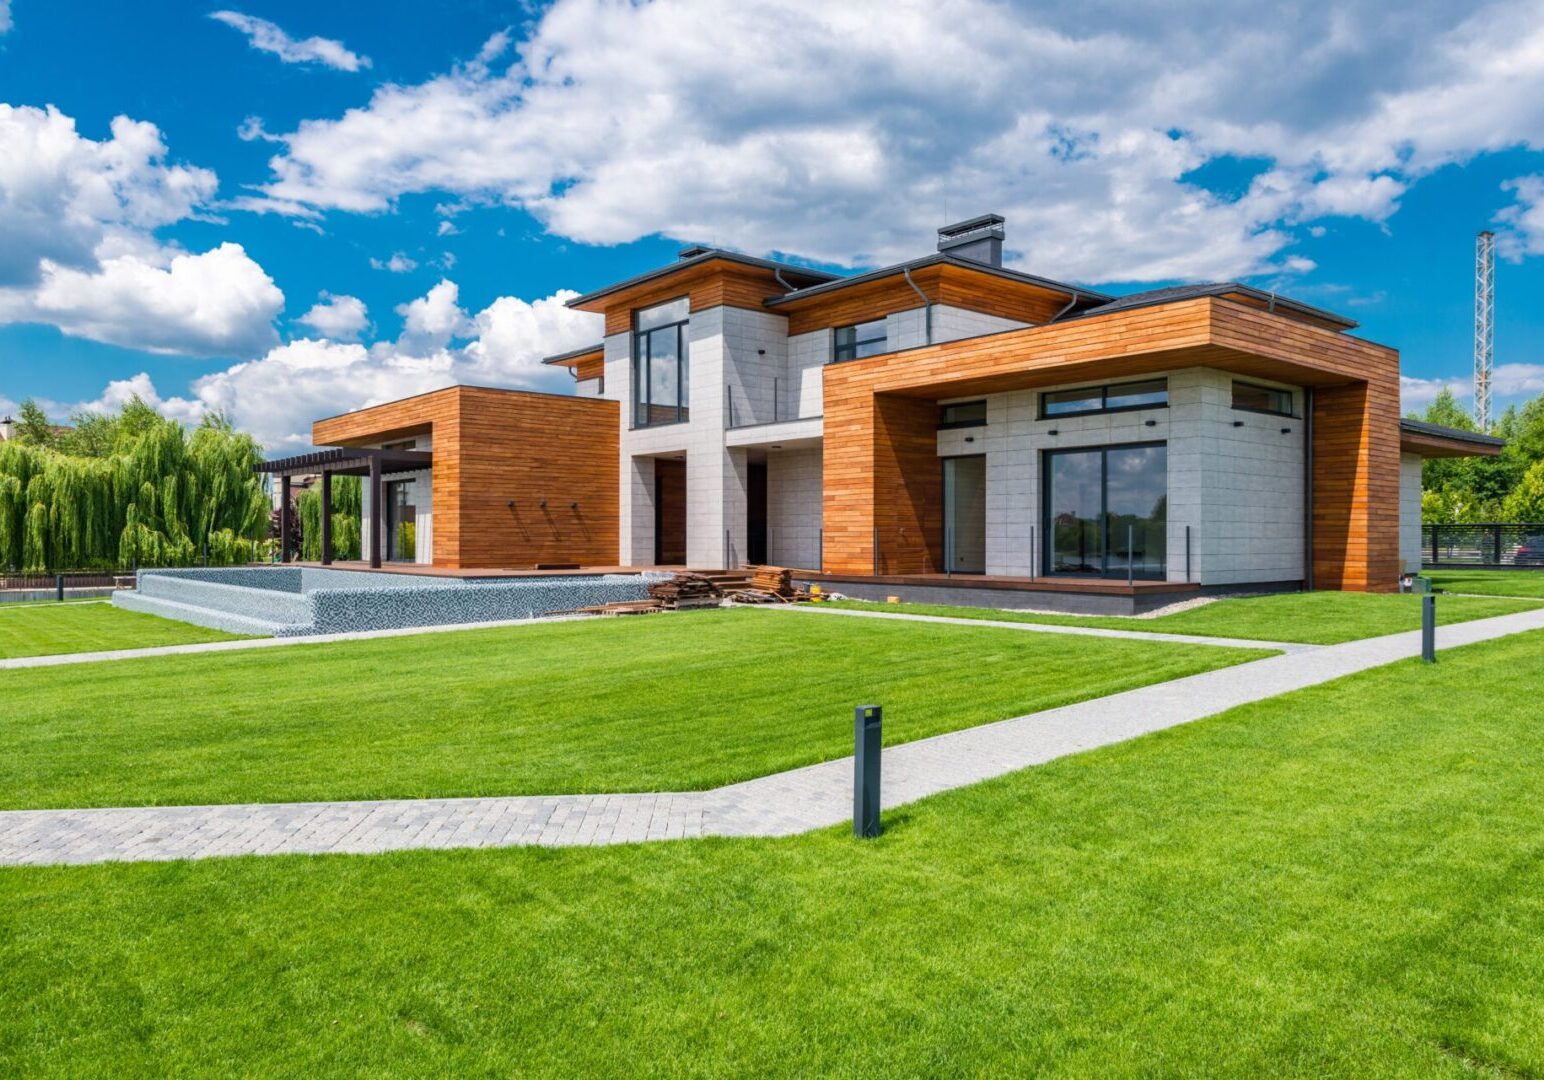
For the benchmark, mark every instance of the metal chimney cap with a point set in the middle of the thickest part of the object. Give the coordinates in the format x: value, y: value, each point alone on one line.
x: 970, y: 225
x: 691, y: 251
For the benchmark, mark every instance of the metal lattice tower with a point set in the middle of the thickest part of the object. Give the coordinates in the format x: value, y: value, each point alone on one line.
x: 1484, y: 324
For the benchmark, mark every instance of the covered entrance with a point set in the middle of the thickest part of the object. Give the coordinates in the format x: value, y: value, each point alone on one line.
x: 1106, y: 511
x: 965, y: 514
x: 349, y: 461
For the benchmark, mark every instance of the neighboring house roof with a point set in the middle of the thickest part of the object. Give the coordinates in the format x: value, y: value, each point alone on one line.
x: 1435, y: 440
x: 696, y: 256
x: 573, y: 355
x: 1215, y: 288
x: 938, y: 259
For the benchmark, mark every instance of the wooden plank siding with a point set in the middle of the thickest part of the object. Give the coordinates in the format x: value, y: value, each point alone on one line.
x: 492, y: 447
x: 1356, y: 465
x: 958, y: 286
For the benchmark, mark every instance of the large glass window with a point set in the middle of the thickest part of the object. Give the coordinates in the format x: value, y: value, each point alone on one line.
x: 1266, y: 399
x: 1151, y: 394
x: 860, y: 340
x: 965, y: 514
x: 661, y: 389
x: 401, y: 522
x: 1106, y: 511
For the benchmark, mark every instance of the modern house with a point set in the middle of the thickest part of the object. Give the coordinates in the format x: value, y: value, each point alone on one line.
x: 947, y: 424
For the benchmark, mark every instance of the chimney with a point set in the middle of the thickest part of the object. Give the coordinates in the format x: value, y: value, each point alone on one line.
x: 691, y: 251
x: 980, y: 239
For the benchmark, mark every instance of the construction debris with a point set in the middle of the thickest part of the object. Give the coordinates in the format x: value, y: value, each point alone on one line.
x: 768, y: 585
x: 686, y: 590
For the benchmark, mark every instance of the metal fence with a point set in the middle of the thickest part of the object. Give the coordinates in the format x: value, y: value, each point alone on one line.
x: 72, y: 585
x: 1491, y: 545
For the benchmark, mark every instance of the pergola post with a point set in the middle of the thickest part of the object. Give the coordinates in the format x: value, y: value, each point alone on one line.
x: 284, y: 518
x: 375, y: 512
x: 326, y: 518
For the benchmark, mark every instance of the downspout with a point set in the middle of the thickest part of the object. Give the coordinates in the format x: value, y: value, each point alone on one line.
x: 927, y: 305
x: 1063, y: 311
x: 777, y: 272
x: 1308, y: 406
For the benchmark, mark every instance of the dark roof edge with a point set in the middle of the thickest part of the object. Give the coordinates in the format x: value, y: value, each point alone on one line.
x: 1172, y: 295
x: 558, y: 358
x: 935, y: 259
x: 1439, y: 431
x: 696, y: 260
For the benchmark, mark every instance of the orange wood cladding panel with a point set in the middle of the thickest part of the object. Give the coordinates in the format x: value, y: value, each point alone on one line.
x: 1356, y: 466
x: 955, y: 285
x: 493, y: 446
x: 591, y: 367
x: 715, y: 283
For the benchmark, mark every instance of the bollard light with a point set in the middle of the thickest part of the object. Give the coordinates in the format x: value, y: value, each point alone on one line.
x: 1429, y: 628
x: 867, y: 721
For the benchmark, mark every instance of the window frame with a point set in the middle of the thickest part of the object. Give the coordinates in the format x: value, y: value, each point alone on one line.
x: 1291, y: 396
x: 954, y: 425
x: 1104, y: 398
x: 643, y: 368
x: 857, y: 342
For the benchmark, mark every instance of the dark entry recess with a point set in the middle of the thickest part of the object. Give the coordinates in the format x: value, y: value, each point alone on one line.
x: 669, y: 512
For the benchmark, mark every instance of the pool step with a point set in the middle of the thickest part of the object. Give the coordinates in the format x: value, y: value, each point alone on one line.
x: 213, y: 618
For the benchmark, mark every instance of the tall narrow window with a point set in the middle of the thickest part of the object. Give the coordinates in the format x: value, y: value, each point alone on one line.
x: 661, y: 390
x: 860, y: 340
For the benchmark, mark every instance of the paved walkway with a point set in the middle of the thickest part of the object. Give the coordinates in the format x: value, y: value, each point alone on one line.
x: 778, y: 805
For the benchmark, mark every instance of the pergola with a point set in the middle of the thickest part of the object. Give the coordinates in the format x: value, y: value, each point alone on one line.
x: 341, y: 461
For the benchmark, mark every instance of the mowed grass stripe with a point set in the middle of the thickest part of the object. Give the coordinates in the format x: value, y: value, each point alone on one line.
x: 671, y: 702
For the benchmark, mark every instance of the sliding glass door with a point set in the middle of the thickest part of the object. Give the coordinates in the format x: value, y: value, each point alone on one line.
x: 1106, y: 511
x: 965, y: 514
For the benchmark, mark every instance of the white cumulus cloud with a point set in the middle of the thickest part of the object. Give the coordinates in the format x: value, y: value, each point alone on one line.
x: 280, y: 392
x: 341, y: 317
x: 5, y: 16
x: 216, y: 303
x: 399, y: 263
x: 269, y: 37
x: 868, y: 124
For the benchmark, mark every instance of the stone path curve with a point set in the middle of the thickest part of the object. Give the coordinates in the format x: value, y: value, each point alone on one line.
x: 777, y: 805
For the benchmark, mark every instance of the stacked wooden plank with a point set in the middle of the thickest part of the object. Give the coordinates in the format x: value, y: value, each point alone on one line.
x: 767, y: 585
x: 686, y: 591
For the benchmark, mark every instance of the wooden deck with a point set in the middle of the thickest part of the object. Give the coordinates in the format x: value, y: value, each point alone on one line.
x: 1088, y: 586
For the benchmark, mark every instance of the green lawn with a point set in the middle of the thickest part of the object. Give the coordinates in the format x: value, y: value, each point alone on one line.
x: 1346, y: 881
x: 1318, y: 618
x: 639, y: 704
x: 1489, y: 582
x: 50, y: 629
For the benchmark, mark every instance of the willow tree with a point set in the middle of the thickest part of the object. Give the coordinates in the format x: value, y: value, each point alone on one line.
x: 148, y: 493
x: 346, y: 509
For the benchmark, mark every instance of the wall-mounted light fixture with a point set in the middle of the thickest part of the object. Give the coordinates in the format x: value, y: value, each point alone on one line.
x: 1238, y: 423
x: 510, y: 504
x: 1286, y: 431
x: 1053, y: 431
x: 1152, y: 423
x: 543, y: 504
x: 573, y: 506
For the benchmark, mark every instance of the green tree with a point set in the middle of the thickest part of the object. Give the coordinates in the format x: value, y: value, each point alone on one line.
x: 1525, y: 502
x: 32, y: 426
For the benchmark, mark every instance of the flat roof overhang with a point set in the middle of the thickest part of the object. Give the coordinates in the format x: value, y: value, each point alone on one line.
x: 1437, y: 441
x: 1126, y: 344
x: 347, y: 461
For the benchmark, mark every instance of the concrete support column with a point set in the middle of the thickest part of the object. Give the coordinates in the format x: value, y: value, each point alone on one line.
x: 715, y: 507
x: 375, y: 513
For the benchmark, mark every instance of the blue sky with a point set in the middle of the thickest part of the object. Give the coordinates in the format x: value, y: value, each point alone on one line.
x: 309, y: 208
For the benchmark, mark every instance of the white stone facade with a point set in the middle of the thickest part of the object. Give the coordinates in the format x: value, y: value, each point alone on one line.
x: 1235, y: 479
